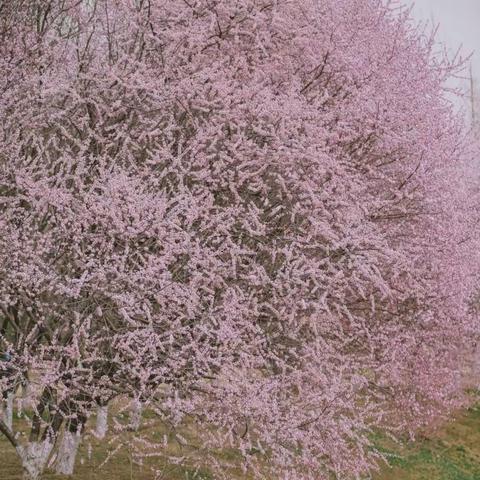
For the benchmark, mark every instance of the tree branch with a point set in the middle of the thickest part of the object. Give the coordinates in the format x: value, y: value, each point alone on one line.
x: 8, y: 433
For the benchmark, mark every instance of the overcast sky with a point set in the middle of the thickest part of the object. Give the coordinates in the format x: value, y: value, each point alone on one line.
x: 459, y: 22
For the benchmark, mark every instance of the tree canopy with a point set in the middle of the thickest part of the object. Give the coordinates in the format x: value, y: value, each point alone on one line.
x: 257, y: 216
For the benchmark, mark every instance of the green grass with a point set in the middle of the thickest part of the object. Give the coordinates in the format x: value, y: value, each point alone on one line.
x: 451, y: 453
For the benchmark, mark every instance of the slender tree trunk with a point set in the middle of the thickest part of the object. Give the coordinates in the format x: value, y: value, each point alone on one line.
x: 101, y: 425
x: 136, y: 414
x: 7, y: 409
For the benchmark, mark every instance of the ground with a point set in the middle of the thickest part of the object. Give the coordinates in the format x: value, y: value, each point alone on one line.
x: 451, y: 453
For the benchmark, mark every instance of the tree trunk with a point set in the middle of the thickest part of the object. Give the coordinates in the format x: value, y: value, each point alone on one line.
x: 7, y: 410
x: 101, y: 425
x: 34, y: 458
x: 67, y: 452
x: 136, y: 414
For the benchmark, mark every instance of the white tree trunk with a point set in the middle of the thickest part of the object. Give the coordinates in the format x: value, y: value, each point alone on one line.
x: 34, y: 457
x: 67, y: 453
x: 101, y: 425
x: 7, y: 410
x: 136, y: 414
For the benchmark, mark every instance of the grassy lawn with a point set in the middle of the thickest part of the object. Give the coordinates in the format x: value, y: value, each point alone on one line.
x: 452, y: 453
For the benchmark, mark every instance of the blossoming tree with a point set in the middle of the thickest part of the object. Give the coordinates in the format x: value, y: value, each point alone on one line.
x: 251, y: 216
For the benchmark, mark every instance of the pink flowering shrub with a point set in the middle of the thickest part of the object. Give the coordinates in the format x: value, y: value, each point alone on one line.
x: 252, y: 216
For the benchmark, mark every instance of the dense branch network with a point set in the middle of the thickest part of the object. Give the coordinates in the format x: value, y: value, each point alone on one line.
x: 249, y: 215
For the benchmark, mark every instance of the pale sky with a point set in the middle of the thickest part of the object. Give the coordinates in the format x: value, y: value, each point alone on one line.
x: 459, y: 22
